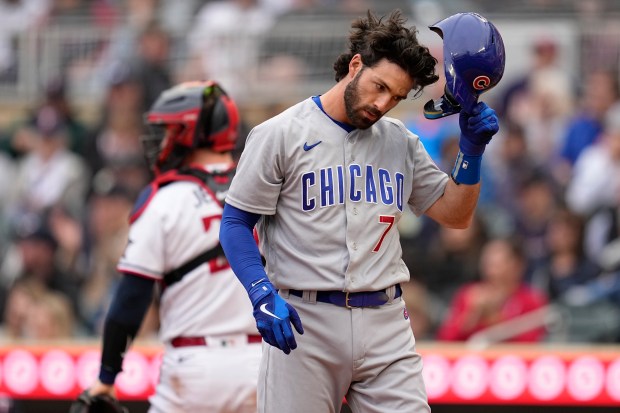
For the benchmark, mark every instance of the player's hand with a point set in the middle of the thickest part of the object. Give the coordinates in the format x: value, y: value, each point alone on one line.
x: 274, y: 317
x: 98, y: 388
x: 477, y: 129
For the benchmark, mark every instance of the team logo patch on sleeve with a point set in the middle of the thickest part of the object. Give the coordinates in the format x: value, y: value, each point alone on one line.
x: 405, y: 314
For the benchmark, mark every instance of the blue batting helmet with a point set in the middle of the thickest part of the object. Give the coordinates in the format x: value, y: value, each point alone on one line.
x: 474, y: 61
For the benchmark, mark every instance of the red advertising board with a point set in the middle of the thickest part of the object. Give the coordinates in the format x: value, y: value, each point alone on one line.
x: 454, y: 374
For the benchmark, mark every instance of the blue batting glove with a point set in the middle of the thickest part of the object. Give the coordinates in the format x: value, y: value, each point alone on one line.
x: 274, y: 317
x: 477, y: 129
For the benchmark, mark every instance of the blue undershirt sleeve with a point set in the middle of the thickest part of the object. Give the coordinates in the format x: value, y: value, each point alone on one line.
x: 237, y: 239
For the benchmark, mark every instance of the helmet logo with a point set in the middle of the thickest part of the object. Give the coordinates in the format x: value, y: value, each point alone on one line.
x: 481, y: 82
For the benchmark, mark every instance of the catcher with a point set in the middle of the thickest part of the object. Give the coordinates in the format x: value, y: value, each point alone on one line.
x: 212, y: 348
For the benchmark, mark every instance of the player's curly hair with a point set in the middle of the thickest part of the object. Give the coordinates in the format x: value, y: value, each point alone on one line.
x: 375, y: 39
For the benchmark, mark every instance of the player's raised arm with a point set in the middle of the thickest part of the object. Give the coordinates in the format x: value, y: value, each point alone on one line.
x: 471, y: 35
x: 457, y: 205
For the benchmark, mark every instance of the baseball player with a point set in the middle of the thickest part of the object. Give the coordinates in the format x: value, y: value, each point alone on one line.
x: 212, y: 355
x: 326, y: 181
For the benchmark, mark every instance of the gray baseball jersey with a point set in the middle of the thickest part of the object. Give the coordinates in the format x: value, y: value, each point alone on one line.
x: 331, y: 200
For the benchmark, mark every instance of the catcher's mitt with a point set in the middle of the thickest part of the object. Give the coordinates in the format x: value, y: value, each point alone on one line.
x: 102, y: 403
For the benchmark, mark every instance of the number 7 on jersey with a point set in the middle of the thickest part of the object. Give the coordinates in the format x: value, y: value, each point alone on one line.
x: 384, y: 219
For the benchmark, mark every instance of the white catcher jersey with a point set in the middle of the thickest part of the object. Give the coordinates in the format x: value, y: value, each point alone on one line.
x: 181, y: 221
x: 331, y: 200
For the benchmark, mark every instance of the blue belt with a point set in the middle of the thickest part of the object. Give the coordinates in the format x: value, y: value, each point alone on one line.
x: 352, y: 300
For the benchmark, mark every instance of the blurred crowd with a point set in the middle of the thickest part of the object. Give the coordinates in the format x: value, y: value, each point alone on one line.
x: 541, y: 262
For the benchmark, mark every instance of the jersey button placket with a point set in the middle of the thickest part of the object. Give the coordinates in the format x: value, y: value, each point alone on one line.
x: 351, y: 141
x: 352, y: 211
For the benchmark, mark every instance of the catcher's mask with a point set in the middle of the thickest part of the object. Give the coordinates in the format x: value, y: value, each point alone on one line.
x: 474, y: 61
x: 188, y: 116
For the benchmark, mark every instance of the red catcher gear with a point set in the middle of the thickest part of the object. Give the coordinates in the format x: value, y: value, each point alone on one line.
x: 188, y: 116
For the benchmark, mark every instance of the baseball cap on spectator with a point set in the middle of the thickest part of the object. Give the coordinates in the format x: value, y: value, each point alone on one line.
x: 48, y: 122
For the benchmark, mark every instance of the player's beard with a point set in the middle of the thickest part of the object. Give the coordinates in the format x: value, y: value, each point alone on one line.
x: 355, y: 112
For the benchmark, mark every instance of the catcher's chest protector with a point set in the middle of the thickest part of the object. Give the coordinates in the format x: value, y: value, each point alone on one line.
x: 215, y: 183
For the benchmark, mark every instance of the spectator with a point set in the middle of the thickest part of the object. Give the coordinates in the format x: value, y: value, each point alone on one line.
x: 450, y: 260
x: 35, y: 255
x: 68, y: 232
x: 35, y: 313
x: 500, y: 295
x: 51, y: 317
x: 595, y: 182
x: 137, y: 60
x: 106, y: 236
x: 118, y: 142
x: 587, y: 293
x: 599, y: 93
x: 224, y: 39
x: 20, y: 299
x: 56, y: 98
x: 544, y: 53
x: 18, y: 139
x: 511, y: 168
x: 115, y: 153
x: 17, y: 17
x: 49, y: 173
x: 540, y: 101
x: 536, y: 202
x: 151, y: 64
x: 594, y: 189
x: 565, y: 264
x: 513, y: 164
x: 550, y: 103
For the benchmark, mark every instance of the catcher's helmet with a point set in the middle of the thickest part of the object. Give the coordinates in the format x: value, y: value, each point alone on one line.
x: 188, y: 116
x: 474, y: 61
